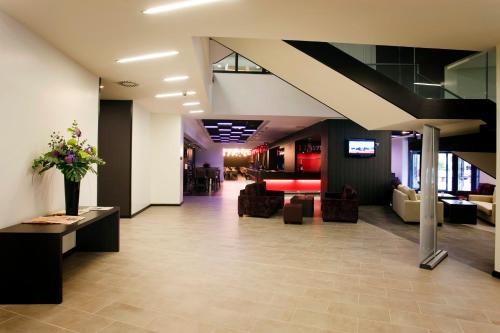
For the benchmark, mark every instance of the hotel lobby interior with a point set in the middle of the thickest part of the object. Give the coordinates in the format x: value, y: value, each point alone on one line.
x: 249, y: 166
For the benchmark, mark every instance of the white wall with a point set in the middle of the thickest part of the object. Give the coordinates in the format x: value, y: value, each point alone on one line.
x: 41, y: 90
x: 167, y: 145
x: 213, y: 155
x: 399, y: 159
x: 141, y: 158
x: 485, y: 178
x: 268, y: 95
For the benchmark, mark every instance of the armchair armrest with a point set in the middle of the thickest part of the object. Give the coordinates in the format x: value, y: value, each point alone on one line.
x: 479, y: 197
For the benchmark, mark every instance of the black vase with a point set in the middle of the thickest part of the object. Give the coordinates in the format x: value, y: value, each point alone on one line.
x: 72, y: 196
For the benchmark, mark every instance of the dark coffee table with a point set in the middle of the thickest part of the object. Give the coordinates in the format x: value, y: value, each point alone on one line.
x: 460, y: 211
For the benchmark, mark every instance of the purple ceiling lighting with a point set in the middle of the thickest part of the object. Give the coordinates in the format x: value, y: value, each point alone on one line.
x: 230, y: 131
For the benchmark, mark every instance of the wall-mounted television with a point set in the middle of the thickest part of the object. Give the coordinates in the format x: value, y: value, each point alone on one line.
x: 360, y: 147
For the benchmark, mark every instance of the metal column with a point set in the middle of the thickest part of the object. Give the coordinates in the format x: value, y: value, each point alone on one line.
x: 430, y: 256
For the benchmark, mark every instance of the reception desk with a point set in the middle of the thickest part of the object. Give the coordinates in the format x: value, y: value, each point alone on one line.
x: 291, y: 182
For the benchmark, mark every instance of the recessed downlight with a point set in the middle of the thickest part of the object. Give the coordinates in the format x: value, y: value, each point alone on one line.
x: 196, y: 111
x: 176, y: 78
x: 101, y: 87
x: 176, y: 6
x: 176, y: 94
x: 191, y: 104
x: 148, y: 56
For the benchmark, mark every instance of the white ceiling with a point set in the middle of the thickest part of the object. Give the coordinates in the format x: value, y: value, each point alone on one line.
x: 97, y: 32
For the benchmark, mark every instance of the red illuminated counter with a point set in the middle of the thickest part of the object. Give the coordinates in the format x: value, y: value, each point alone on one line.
x: 288, y: 181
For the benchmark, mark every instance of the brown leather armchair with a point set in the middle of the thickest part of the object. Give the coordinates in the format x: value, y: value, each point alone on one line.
x: 340, y: 207
x: 256, y: 201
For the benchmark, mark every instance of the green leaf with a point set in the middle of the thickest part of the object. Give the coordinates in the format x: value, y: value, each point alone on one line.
x: 72, y: 142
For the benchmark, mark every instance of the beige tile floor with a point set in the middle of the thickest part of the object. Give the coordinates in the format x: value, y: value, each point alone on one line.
x: 200, y: 268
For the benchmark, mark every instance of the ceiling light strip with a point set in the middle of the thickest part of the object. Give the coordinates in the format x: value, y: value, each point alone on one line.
x: 149, y: 56
x: 176, y: 6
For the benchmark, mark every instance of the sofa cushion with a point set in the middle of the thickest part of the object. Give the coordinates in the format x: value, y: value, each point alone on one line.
x: 404, y: 189
x: 412, y: 195
x: 485, y: 207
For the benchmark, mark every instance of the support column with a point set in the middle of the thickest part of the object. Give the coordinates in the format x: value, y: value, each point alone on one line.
x: 496, y: 272
x: 430, y: 256
x: 167, y: 150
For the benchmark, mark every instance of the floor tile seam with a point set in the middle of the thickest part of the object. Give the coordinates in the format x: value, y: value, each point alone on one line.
x: 459, y: 308
x: 15, y: 315
x: 112, y: 322
x: 42, y: 322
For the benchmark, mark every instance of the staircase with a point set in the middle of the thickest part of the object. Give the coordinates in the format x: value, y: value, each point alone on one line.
x: 374, y: 100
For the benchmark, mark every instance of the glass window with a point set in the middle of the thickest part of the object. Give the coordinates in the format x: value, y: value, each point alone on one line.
x: 245, y: 65
x: 227, y: 64
x: 464, y: 175
x: 415, y: 171
x: 445, y: 172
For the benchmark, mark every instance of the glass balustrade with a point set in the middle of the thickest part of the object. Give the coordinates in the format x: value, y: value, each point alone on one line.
x: 471, y: 78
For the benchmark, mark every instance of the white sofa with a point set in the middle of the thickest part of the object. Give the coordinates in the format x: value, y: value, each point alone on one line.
x: 486, y: 206
x: 406, y: 203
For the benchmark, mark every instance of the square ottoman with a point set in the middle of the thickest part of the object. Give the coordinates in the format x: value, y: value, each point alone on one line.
x: 307, y: 202
x: 292, y: 213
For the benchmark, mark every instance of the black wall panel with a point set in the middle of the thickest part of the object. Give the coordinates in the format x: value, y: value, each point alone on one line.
x: 370, y: 176
x: 115, y: 147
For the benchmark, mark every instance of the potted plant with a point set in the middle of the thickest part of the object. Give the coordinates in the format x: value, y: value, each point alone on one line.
x: 74, y: 158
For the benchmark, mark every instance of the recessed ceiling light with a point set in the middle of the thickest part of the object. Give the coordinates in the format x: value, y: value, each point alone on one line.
x: 176, y: 78
x: 101, y: 87
x: 196, y: 111
x: 193, y: 104
x: 149, y: 56
x: 176, y: 94
x: 166, y: 95
x: 176, y: 6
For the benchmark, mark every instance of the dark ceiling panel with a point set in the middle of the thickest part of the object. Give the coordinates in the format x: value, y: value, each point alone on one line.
x: 230, y: 131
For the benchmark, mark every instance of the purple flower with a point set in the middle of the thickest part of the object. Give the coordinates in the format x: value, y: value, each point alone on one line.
x: 55, y: 153
x: 78, y: 133
x: 69, y: 159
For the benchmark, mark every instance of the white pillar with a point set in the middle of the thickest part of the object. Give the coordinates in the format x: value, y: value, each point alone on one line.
x: 497, y: 215
x: 167, y: 145
x: 430, y: 256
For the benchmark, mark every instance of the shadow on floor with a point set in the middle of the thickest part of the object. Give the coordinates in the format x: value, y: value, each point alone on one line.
x: 471, y: 246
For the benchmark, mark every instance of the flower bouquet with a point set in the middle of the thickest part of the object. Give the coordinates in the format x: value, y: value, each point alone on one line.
x: 74, y: 158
